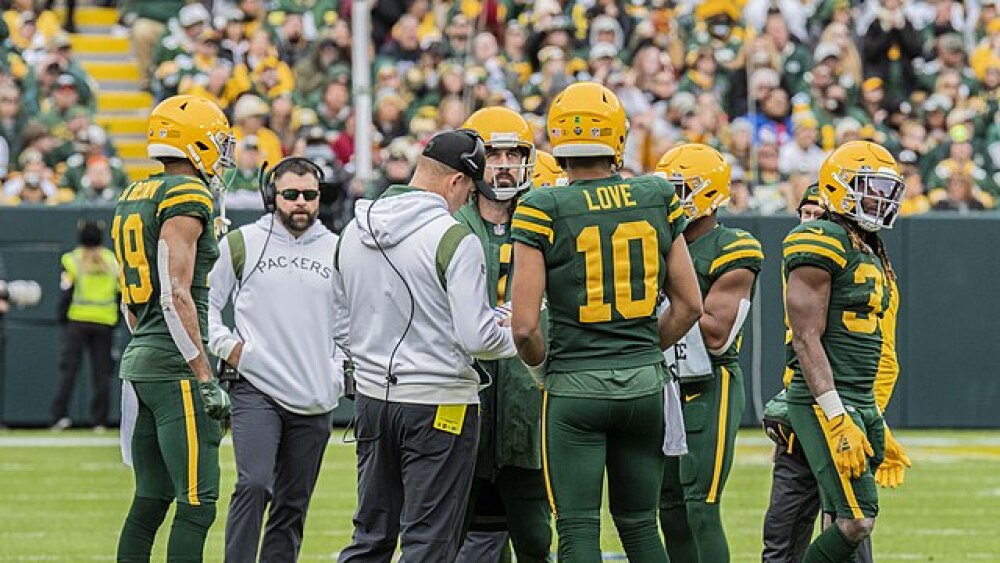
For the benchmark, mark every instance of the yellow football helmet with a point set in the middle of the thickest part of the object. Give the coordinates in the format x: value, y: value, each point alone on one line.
x: 861, y: 180
x: 586, y: 119
x: 547, y: 171
x: 192, y: 128
x: 700, y: 175
x: 502, y: 128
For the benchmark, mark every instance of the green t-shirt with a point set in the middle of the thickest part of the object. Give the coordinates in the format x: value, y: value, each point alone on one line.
x: 717, y: 252
x: 141, y: 211
x: 605, y: 244
x: 859, y: 295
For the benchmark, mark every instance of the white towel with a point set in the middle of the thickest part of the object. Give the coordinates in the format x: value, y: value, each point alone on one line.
x: 688, y: 359
x: 130, y: 413
x: 674, y: 435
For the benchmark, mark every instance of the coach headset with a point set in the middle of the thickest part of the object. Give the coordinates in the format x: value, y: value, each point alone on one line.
x: 268, y: 189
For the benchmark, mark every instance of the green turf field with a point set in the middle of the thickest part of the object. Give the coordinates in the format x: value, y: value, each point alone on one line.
x: 63, y: 498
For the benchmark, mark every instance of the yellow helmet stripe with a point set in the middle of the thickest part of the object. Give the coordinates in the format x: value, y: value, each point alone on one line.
x: 813, y: 249
x: 547, y: 232
x: 190, y: 198
x: 532, y: 212
x: 733, y: 256
x: 813, y: 237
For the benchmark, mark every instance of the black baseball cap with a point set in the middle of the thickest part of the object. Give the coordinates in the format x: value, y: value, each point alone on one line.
x: 461, y: 150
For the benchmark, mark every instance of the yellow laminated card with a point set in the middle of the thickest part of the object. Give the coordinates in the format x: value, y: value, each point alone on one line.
x: 450, y: 418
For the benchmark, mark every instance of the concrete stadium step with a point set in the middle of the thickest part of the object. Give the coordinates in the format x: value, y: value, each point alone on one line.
x: 101, y: 44
x: 112, y: 102
x: 139, y: 169
x: 112, y: 71
x: 119, y: 86
x: 130, y: 148
x: 92, y: 16
x: 124, y: 125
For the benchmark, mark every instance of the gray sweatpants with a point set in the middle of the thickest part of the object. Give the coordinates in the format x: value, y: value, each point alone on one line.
x: 278, y: 457
x: 791, y: 515
x: 413, y: 480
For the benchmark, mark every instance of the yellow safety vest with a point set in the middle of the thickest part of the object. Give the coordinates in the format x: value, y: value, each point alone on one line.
x: 95, y: 294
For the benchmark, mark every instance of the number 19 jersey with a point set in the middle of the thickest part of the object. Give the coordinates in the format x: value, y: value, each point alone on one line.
x: 142, y: 209
x: 604, y: 242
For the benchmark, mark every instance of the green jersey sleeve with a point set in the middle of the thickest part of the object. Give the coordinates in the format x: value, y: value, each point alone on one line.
x: 190, y: 198
x: 740, y: 250
x: 675, y: 211
x: 532, y: 222
x: 821, y: 244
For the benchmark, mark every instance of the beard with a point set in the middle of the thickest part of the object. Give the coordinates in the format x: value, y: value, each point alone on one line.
x: 297, y: 222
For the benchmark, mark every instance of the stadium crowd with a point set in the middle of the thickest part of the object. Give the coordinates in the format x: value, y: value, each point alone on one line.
x: 773, y: 84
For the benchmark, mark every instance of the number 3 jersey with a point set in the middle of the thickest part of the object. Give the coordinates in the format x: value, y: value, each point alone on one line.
x: 142, y: 209
x: 859, y: 296
x: 604, y: 243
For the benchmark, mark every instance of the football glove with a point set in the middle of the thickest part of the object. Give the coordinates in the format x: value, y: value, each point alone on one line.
x: 892, y: 471
x: 848, y: 444
x: 216, y: 400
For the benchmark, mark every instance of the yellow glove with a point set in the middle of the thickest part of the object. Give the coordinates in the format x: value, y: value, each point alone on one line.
x: 892, y: 471
x: 848, y: 444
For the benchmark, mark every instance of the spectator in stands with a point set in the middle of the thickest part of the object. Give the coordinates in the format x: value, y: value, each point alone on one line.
x: 179, y: 41
x: 57, y: 109
x: 915, y: 201
x: 60, y: 48
x: 773, y: 115
x: 848, y: 63
x: 33, y: 184
x: 335, y: 106
x: 249, y: 115
x: 936, y: 109
x: 769, y: 196
x: 890, y: 44
x: 315, y: 71
x: 801, y: 151
x: 388, y: 116
x: 234, y: 39
x: 99, y: 183
x: 290, y: 37
x: 959, y: 196
x: 12, y: 118
x: 404, y: 46
x: 960, y: 162
x: 795, y: 58
x: 244, y: 179
x: 740, y: 196
x: 92, y: 146
x: 399, y: 158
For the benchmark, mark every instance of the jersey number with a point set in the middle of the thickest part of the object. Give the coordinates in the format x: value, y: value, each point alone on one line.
x: 130, y: 250
x: 867, y: 324
x: 589, y: 243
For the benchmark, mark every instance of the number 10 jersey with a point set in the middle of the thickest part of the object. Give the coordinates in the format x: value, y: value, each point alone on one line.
x: 605, y: 244
x: 142, y: 209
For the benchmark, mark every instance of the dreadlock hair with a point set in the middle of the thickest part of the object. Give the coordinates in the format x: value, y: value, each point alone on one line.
x: 865, y: 242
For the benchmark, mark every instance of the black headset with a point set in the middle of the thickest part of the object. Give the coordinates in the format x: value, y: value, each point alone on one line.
x: 269, y: 192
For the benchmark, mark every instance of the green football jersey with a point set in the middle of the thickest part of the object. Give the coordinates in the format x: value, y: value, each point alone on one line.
x: 717, y: 252
x: 859, y: 296
x: 605, y: 244
x: 142, y: 209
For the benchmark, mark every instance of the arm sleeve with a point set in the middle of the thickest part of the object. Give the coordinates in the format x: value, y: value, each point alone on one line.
x: 222, y: 279
x: 888, y: 365
x: 339, y: 312
x: 475, y: 326
x: 812, y: 246
x: 675, y: 213
x: 532, y: 224
x: 192, y: 199
x: 743, y: 252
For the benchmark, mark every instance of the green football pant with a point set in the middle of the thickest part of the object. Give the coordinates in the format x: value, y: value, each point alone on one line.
x: 581, y: 438
x: 693, y: 483
x: 175, y: 457
x: 514, y: 501
x: 848, y: 498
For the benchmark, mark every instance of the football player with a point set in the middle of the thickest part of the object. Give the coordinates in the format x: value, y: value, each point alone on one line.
x: 727, y: 261
x: 508, y: 492
x: 165, y: 247
x: 547, y: 171
x: 839, y: 284
x: 601, y: 248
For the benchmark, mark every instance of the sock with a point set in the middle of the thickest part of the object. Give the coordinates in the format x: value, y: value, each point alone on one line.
x: 187, y: 535
x: 709, y: 535
x: 830, y: 547
x: 144, y: 518
x: 677, y: 535
x: 639, y: 536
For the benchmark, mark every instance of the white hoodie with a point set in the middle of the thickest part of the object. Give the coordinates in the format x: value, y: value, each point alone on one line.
x: 282, y: 315
x: 451, y: 323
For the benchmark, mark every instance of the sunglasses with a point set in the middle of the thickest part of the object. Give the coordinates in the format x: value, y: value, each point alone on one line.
x: 293, y: 194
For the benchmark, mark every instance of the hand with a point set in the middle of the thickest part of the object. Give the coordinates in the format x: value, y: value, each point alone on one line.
x: 848, y: 444
x: 4, y: 306
x: 502, y: 314
x: 892, y: 471
x: 235, y: 356
x: 216, y: 400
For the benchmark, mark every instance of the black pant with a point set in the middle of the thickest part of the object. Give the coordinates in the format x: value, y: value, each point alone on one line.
x: 97, y: 339
x: 795, y: 503
x: 70, y: 12
x: 278, y: 458
x: 413, y: 480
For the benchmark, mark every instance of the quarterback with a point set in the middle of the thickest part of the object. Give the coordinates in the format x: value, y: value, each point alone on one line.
x: 839, y: 284
x: 601, y: 248
x: 165, y: 247
x: 727, y: 261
